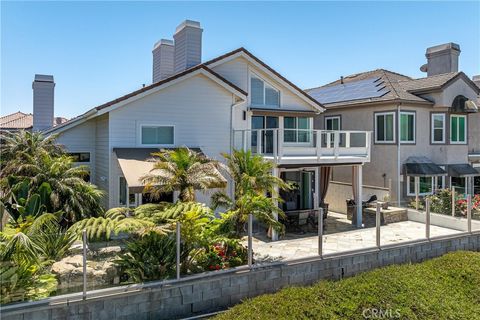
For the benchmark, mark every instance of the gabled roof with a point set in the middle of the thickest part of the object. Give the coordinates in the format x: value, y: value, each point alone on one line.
x: 201, y: 68
x: 250, y: 57
x: 436, y: 82
x: 391, y: 81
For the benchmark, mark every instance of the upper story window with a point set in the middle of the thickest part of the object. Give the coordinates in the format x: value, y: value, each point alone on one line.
x: 80, y: 156
x: 161, y: 135
x: 332, y: 123
x: 458, y: 129
x: 438, y: 128
x: 407, y: 127
x: 262, y: 93
x: 297, y: 129
x: 385, y: 127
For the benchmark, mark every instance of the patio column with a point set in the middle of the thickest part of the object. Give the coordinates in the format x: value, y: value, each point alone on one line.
x: 275, y: 173
x: 316, y: 196
x: 359, y: 195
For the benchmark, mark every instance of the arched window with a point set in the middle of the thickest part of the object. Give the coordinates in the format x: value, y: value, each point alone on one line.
x: 458, y: 104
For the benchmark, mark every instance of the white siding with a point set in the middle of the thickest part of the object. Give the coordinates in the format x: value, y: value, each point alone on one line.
x: 235, y: 71
x: 199, y: 109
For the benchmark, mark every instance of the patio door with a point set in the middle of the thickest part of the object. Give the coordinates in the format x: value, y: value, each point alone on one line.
x: 301, y: 196
x: 263, y: 122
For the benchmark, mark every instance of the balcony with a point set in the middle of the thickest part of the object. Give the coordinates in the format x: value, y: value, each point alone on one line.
x: 300, y: 146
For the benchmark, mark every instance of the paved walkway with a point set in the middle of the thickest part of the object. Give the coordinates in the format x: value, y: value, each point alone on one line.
x: 344, y: 237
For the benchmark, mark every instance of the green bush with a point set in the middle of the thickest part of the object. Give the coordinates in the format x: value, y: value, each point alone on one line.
x: 443, y: 288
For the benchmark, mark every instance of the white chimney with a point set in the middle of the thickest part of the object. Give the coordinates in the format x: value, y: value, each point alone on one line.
x: 442, y: 59
x: 43, y: 96
x: 188, y: 45
x: 163, y: 59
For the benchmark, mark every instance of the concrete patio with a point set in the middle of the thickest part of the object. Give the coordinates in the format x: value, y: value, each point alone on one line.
x: 340, y: 236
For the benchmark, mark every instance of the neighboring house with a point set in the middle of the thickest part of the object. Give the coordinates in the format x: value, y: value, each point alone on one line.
x: 232, y: 101
x: 43, y: 108
x: 435, y: 119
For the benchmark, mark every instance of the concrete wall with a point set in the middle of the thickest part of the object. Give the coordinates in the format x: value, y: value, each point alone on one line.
x: 219, y: 290
x: 338, y: 192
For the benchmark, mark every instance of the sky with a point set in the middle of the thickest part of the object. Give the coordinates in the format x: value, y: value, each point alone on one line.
x: 98, y: 51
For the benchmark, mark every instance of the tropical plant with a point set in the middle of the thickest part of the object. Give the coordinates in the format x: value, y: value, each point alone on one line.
x: 183, y: 170
x: 224, y: 254
x: 115, y: 221
x: 151, y: 256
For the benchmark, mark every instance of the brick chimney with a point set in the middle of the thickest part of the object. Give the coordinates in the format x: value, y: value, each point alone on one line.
x: 43, y: 96
x: 188, y: 45
x: 163, y: 60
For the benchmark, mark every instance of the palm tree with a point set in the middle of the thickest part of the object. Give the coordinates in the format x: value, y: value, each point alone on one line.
x: 182, y: 170
x: 253, y: 179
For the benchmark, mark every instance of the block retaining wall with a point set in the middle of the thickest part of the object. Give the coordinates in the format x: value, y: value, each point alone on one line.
x: 219, y: 290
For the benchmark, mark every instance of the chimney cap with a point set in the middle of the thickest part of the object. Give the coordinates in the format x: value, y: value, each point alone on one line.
x: 43, y: 78
x: 188, y: 23
x: 443, y: 47
x: 167, y: 42
x: 476, y: 78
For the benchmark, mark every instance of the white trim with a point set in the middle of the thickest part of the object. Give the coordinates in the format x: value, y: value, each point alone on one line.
x: 414, y: 127
x: 332, y: 118
x: 458, y: 132
x: 432, y: 128
x: 142, y: 124
x: 297, y: 143
x: 394, y: 127
x: 412, y: 193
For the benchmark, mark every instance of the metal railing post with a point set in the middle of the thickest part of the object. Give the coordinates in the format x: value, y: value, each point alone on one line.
x: 84, y: 240
x: 453, y: 201
x: 320, y: 232
x: 178, y: 249
x: 250, y: 242
x: 259, y: 141
x: 377, y: 224
x: 427, y: 218
x: 469, y: 212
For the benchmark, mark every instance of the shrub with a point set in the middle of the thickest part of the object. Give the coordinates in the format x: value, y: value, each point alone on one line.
x: 224, y: 254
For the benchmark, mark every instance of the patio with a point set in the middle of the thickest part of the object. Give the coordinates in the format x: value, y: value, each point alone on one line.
x: 340, y: 236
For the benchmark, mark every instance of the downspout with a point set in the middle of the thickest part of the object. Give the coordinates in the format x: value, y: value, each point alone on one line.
x: 399, y: 192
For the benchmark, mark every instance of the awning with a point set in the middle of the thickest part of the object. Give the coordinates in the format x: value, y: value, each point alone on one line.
x: 135, y: 163
x: 462, y: 170
x: 422, y: 167
x: 470, y: 106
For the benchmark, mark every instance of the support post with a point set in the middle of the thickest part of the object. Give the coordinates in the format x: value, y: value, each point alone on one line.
x: 417, y: 187
x: 453, y: 201
x: 390, y: 189
x: 275, y: 214
x: 427, y: 218
x: 359, y: 196
x: 469, y: 212
x: 250, y: 242
x: 377, y: 224
x: 244, y: 142
x: 435, y: 184
x: 259, y: 141
x: 84, y: 240
x: 320, y: 232
x: 178, y: 249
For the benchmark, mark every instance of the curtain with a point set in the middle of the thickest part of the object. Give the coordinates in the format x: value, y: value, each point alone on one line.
x: 324, y: 182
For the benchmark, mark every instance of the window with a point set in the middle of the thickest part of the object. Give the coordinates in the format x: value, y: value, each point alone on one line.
x: 438, y: 128
x: 425, y: 186
x: 459, y: 183
x: 80, y: 156
x: 458, y: 129
x: 332, y: 123
x: 263, y: 94
x: 407, y: 127
x: 122, y: 191
x: 297, y: 129
x: 385, y: 127
x: 157, y: 135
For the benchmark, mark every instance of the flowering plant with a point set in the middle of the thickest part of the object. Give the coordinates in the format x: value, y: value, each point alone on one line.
x: 223, y: 255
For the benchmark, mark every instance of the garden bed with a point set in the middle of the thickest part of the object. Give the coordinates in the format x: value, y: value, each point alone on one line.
x: 443, y: 288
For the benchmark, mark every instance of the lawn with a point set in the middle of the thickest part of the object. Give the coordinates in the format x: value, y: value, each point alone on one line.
x: 447, y: 287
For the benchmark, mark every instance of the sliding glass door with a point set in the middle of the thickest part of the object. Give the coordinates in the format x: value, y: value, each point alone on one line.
x: 263, y: 122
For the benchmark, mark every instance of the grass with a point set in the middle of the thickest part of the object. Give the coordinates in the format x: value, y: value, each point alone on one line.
x: 447, y: 287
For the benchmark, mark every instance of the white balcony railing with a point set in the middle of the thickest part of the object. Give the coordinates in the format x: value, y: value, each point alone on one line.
x: 305, y: 146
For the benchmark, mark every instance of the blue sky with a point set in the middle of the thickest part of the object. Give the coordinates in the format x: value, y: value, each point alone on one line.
x: 98, y: 51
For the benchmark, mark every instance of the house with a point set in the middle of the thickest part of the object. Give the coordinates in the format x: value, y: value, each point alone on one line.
x: 233, y: 101
x: 426, y: 131
x: 43, y: 107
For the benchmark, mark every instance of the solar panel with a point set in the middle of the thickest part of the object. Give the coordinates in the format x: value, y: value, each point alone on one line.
x: 361, y: 89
